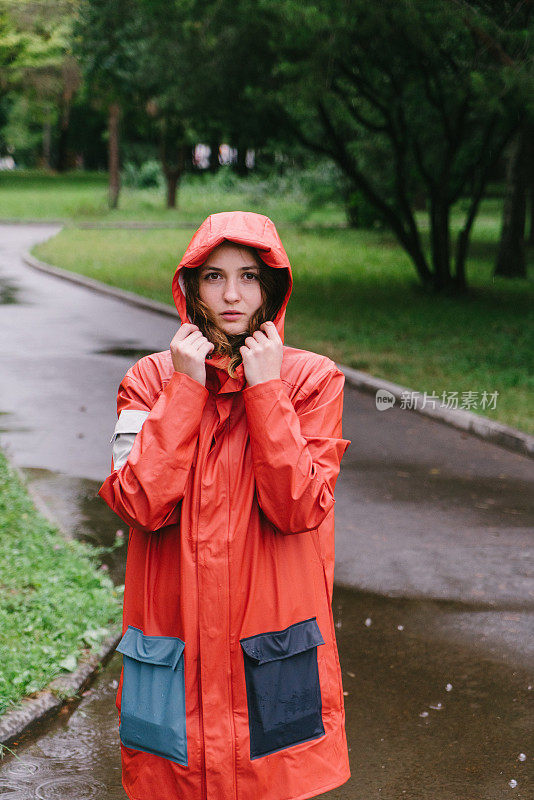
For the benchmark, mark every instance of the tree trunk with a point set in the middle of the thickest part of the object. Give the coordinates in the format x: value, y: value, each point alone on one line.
x: 214, y: 155
x: 47, y: 138
x: 62, y: 156
x: 173, y: 172
x: 511, y: 262
x: 440, y: 243
x: 462, y: 245
x: 62, y: 159
x: 462, y: 242
x: 241, y: 164
x: 113, y: 154
x: 530, y: 137
x: 172, y: 177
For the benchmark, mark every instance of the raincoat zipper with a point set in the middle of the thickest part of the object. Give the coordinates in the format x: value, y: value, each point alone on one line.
x: 230, y: 643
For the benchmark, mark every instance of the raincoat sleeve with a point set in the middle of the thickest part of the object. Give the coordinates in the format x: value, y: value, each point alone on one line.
x: 296, y: 449
x: 147, y: 488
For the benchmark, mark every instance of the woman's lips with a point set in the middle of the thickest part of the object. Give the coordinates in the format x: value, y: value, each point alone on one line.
x: 231, y: 315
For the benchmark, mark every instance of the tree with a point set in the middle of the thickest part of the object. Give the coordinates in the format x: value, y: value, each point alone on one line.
x: 511, y: 261
x: 238, y: 83
x: 110, y: 42
x: 508, y: 43
x: 206, y: 78
x: 42, y: 75
x: 405, y: 96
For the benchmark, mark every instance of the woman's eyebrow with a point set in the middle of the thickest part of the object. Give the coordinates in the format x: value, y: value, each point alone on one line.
x: 220, y: 269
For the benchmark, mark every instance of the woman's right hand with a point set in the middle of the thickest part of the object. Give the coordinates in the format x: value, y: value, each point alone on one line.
x: 189, y: 349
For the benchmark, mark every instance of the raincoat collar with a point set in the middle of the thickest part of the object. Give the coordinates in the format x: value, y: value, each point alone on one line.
x: 241, y: 227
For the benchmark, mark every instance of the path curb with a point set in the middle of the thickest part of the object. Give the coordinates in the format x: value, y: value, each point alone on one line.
x: 102, y: 288
x: 47, y: 702
x: 475, y: 424
x: 116, y: 225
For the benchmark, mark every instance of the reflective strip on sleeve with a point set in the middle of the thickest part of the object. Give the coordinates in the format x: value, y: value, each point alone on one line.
x: 128, y: 425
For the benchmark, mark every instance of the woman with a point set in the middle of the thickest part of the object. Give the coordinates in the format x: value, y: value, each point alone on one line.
x: 225, y: 457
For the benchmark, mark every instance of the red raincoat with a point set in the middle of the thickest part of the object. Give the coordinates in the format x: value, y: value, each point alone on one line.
x: 231, y: 685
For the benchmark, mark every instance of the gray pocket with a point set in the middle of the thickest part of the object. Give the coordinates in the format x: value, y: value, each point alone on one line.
x: 153, y: 695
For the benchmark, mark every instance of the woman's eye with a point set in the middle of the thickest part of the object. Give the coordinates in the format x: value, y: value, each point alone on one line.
x: 211, y: 274
x: 251, y: 274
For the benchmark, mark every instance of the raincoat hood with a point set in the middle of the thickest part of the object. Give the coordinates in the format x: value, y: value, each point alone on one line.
x: 240, y: 227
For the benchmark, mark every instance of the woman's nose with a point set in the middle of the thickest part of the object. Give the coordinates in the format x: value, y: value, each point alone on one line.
x: 231, y: 291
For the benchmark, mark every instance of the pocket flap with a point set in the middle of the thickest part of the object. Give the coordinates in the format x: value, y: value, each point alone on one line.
x: 163, y: 650
x: 130, y: 421
x: 274, y: 645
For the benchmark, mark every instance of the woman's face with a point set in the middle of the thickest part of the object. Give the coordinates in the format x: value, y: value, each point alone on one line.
x: 229, y: 282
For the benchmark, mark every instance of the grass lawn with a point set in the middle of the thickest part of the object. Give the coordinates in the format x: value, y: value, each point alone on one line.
x: 83, y: 196
x: 355, y: 296
x: 54, y: 601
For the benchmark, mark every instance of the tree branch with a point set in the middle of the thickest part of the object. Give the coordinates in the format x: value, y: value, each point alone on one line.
x: 358, y: 116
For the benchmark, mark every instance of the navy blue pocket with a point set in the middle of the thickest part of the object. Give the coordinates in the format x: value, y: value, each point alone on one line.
x: 153, y: 695
x: 283, y: 690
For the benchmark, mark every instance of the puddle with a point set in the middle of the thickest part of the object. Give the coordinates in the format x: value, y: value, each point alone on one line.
x: 76, y: 756
x: 126, y: 349
x: 74, y: 505
x: 431, y: 713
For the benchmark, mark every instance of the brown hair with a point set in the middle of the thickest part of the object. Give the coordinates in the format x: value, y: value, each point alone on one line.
x: 273, y: 284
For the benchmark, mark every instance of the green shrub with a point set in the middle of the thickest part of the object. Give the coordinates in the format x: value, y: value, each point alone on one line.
x: 143, y: 176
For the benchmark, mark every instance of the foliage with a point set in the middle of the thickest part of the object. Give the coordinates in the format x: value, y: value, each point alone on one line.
x: 428, y: 107
x: 54, y: 601
x: 145, y: 175
x: 110, y: 44
x: 38, y: 68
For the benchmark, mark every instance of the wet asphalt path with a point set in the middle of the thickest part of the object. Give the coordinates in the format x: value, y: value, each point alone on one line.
x: 434, y: 537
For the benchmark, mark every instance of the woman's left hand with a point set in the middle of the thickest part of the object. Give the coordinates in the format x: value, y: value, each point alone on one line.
x: 262, y: 354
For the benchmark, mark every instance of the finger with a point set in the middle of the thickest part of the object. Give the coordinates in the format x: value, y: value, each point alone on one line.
x: 193, y: 337
x: 185, y: 329
x: 269, y: 329
x: 251, y: 343
x: 206, y: 347
x: 198, y: 344
x: 259, y: 336
x: 189, y: 343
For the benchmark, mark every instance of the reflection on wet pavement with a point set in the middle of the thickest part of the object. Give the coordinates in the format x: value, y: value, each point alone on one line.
x: 494, y: 499
x: 74, y: 505
x: 125, y: 349
x: 9, y: 292
x: 428, y: 716
x: 431, y: 713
